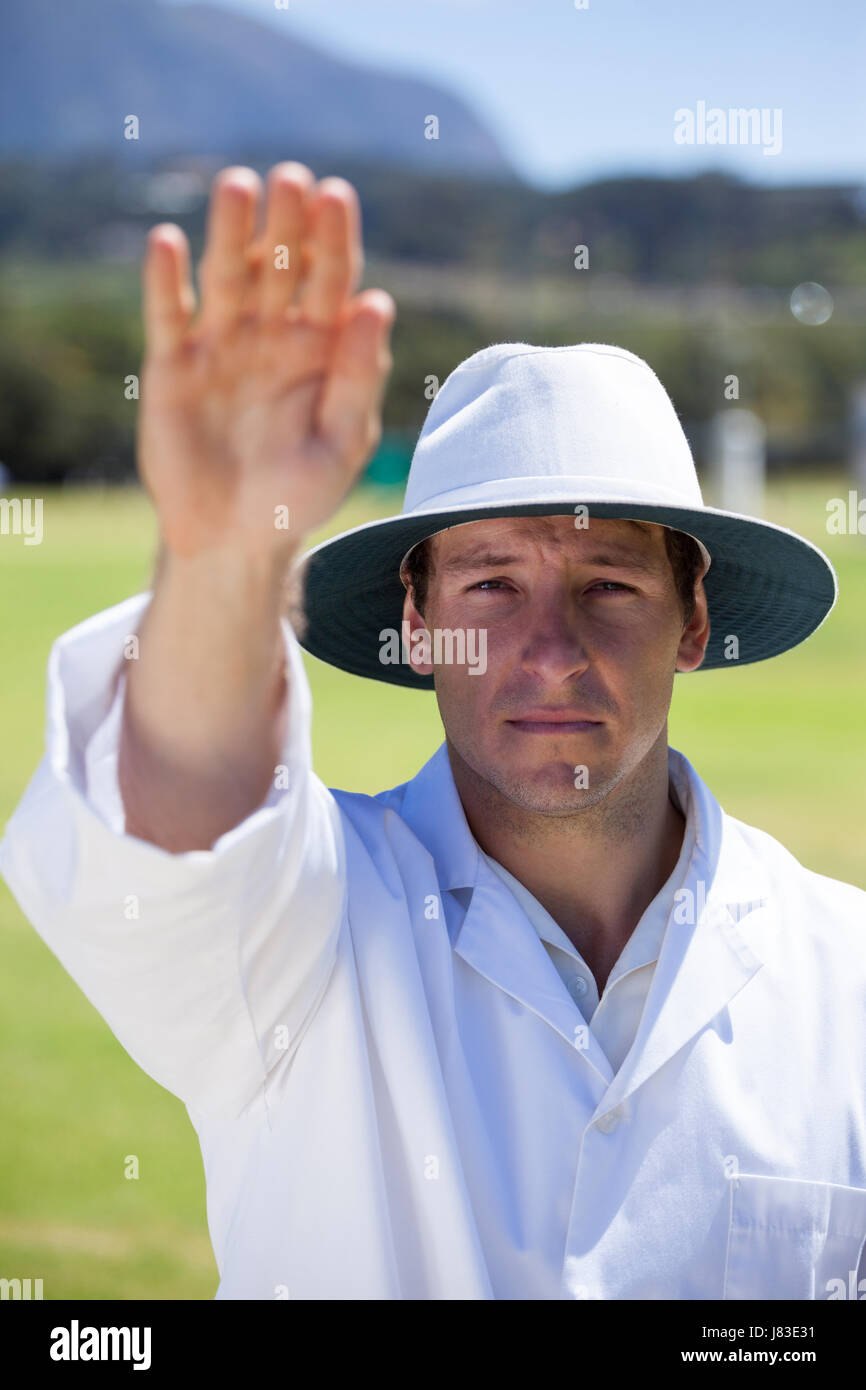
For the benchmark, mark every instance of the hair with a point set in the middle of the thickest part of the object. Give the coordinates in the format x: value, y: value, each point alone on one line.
x: 683, y: 552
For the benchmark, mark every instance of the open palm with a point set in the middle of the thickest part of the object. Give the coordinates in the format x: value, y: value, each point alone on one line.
x: 266, y: 404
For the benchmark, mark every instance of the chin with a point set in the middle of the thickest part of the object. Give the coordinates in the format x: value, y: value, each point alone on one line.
x: 548, y: 791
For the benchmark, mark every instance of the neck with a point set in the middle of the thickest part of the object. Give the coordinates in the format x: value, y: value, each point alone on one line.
x: 595, y: 871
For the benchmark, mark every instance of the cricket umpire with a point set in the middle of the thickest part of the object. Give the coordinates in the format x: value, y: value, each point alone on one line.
x: 543, y: 1022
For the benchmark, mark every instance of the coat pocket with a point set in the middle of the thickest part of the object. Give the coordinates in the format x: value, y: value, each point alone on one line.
x: 790, y: 1238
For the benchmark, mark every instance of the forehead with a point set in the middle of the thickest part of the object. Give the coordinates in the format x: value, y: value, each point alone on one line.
x: 527, y: 534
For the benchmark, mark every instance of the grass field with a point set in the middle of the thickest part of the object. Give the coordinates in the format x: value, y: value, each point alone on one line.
x: 781, y: 743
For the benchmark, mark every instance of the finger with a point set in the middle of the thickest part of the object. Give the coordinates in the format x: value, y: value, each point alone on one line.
x: 168, y: 295
x: 334, y: 247
x: 349, y: 407
x: 226, y: 272
x: 289, y: 187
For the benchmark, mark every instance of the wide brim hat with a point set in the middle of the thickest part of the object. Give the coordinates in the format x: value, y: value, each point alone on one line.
x: 522, y: 430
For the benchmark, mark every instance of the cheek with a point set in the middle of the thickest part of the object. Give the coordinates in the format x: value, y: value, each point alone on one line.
x: 465, y: 688
x: 635, y: 639
x: 463, y: 693
x: 647, y: 682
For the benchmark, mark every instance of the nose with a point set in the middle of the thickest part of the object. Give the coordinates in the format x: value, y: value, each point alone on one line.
x: 554, y: 645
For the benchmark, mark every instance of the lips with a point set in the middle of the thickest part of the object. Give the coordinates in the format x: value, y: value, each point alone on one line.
x: 554, y: 722
x: 555, y: 716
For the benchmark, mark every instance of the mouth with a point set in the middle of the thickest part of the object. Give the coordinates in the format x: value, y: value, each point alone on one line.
x: 554, y: 726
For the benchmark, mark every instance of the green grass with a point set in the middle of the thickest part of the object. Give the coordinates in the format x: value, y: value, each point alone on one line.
x: 780, y: 743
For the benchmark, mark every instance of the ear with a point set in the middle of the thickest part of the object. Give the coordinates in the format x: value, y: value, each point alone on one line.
x: 417, y: 646
x: 696, y: 635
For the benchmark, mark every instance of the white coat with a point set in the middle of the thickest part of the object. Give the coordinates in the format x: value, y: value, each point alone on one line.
x: 380, y: 1058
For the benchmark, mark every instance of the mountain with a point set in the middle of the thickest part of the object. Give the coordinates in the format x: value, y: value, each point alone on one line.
x: 204, y: 80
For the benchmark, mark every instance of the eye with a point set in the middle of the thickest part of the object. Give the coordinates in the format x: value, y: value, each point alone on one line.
x: 612, y: 584
x: 482, y: 582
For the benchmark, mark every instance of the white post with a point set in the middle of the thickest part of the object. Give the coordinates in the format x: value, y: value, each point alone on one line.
x: 857, y: 437
x: 738, y: 459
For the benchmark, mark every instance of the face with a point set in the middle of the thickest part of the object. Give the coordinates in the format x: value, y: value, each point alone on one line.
x: 584, y: 631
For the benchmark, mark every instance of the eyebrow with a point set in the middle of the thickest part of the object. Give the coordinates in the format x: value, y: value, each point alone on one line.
x: 611, y: 558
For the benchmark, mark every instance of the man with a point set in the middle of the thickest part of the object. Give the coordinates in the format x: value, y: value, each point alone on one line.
x: 543, y: 1022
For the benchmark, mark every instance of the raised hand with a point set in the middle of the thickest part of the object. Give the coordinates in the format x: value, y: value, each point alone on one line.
x: 270, y: 395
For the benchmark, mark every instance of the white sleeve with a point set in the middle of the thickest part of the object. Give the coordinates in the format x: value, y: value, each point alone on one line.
x: 206, y: 965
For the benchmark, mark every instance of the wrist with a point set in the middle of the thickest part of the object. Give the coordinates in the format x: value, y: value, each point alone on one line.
x: 234, y: 574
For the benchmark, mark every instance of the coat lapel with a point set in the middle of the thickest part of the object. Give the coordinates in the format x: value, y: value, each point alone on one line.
x: 495, y: 937
x: 699, y: 971
x: 500, y: 942
x: 722, y: 926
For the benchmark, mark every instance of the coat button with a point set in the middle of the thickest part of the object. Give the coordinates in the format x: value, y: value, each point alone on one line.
x: 609, y: 1121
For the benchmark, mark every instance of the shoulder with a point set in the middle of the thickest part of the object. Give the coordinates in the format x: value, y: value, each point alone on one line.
x: 828, y: 911
x: 377, y: 820
x: 370, y: 807
x: 384, y: 853
x: 787, y: 869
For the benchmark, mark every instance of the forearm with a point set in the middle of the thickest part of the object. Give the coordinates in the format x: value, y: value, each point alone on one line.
x: 206, y: 699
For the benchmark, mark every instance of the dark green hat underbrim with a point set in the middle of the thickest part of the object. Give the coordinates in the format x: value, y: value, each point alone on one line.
x: 767, y: 586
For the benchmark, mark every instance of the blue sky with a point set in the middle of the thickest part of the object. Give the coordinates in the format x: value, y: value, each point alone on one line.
x: 577, y: 93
